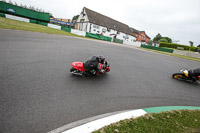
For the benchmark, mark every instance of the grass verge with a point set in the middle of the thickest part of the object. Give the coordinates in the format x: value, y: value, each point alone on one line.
x: 19, y: 25
x: 176, y: 121
x: 176, y: 55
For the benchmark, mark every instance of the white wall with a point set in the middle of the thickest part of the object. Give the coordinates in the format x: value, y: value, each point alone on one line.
x: 78, y: 32
x: 83, y: 22
x: 96, y: 29
x: 17, y: 18
x: 84, y: 25
x: 83, y: 17
x: 54, y: 26
x: 137, y: 44
x: 155, y: 44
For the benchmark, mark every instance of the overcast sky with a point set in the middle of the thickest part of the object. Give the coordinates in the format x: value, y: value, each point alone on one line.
x: 177, y: 19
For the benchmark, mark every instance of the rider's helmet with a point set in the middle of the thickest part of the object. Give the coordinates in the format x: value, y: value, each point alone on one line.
x: 100, y: 58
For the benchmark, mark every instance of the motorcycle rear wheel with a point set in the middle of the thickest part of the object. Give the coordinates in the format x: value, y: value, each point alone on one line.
x: 72, y: 69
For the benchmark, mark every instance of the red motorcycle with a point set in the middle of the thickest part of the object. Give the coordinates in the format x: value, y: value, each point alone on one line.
x: 78, y: 69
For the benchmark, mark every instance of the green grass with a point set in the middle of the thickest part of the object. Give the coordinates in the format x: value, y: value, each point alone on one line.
x: 176, y: 55
x: 18, y: 25
x: 182, y: 121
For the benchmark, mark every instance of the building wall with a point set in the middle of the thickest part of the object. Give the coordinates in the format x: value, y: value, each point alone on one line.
x: 84, y: 25
x: 96, y: 29
x: 142, y: 36
x: 83, y: 22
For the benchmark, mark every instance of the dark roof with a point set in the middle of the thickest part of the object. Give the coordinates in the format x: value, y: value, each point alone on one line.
x: 138, y: 32
x: 99, y: 19
x: 135, y: 31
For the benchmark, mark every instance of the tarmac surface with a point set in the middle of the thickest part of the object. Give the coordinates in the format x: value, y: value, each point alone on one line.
x: 38, y: 94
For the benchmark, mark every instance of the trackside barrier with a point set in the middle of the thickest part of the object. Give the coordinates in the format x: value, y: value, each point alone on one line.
x: 2, y: 15
x: 20, y: 11
x: 65, y: 29
x: 137, y: 44
x: 78, y: 32
x: 54, y: 26
x: 38, y: 22
x: 16, y: 18
x: 118, y: 40
x: 157, y: 48
x: 97, y: 36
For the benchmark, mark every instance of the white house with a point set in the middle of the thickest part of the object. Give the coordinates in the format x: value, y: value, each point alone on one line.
x: 96, y: 23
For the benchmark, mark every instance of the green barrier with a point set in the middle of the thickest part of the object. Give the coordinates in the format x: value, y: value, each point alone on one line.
x: 12, y: 9
x: 33, y: 21
x: 65, y: 29
x: 2, y: 15
x: 42, y: 23
x: 97, y: 36
x: 38, y: 22
x: 118, y: 40
x: 158, y: 48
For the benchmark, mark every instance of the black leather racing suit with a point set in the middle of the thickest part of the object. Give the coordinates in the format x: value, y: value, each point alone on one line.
x: 92, y: 64
x: 194, y: 73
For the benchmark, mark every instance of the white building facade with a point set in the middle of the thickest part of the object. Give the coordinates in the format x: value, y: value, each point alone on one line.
x: 92, y: 22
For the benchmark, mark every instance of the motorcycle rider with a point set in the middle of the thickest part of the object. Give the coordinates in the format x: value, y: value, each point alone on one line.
x: 194, y: 73
x: 92, y: 65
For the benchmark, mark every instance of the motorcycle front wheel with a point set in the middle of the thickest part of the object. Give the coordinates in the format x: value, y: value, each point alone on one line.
x: 178, y: 76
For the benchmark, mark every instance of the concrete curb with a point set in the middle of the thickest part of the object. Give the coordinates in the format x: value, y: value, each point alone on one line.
x: 115, y: 117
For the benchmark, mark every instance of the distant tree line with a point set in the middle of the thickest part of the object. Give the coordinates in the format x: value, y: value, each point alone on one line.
x: 159, y: 38
x: 32, y: 8
x: 75, y: 18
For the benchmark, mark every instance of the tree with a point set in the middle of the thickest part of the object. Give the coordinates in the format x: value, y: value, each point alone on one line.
x: 191, y: 43
x: 16, y: 4
x: 163, y: 40
x: 10, y: 2
x: 169, y: 40
x: 157, y: 38
x: 74, y: 19
x: 51, y: 15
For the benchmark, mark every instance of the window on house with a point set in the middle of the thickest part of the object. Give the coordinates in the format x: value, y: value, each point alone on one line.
x: 108, y: 29
x: 96, y: 26
x: 127, y: 37
x: 82, y: 20
x: 118, y: 32
x: 104, y: 30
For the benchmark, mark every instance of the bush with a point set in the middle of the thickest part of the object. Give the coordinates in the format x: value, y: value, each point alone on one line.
x: 172, y: 45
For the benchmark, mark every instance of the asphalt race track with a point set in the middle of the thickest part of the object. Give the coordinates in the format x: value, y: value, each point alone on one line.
x: 38, y: 94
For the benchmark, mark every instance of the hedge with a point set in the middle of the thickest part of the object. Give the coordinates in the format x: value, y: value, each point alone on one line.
x: 157, y: 48
x: 172, y: 45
